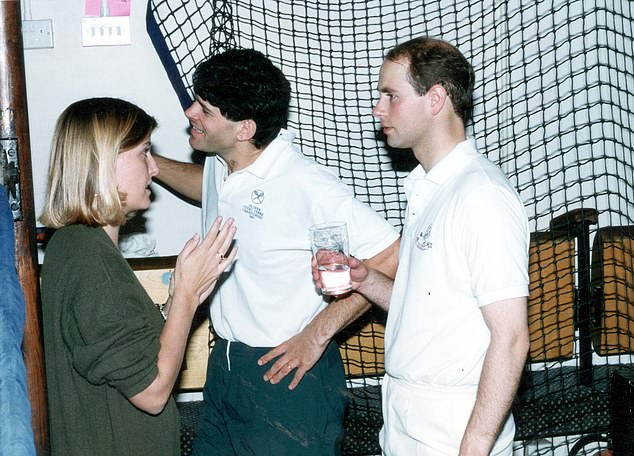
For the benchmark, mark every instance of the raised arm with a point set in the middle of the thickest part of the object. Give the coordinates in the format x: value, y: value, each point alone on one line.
x: 197, y: 270
x: 184, y: 178
x: 302, y: 351
x: 501, y: 372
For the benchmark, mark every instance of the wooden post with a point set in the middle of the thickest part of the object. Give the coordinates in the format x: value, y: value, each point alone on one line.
x: 13, y: 108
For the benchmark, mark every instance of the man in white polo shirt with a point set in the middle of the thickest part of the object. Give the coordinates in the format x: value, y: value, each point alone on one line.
x: 269, y: 317
x: 456, y: 337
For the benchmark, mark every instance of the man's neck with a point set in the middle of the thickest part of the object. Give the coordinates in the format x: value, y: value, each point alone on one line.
x: 243, y: 158
x: 430, y: 152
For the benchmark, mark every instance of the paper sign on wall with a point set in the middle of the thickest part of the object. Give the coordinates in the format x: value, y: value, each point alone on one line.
x: 110, y: 7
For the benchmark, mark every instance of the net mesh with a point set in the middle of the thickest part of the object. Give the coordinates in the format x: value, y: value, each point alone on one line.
x: 553, y: 101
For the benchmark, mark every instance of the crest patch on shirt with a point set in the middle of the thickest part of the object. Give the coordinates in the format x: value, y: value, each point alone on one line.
x: 422, y: 241
x: 257, y: 196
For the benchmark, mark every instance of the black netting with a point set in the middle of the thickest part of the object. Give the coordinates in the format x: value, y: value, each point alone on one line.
x: 553, y: 107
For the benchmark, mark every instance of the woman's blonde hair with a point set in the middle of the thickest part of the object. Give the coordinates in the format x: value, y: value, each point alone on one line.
x: 82, y: 185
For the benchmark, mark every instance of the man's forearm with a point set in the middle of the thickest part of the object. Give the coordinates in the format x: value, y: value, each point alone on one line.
x: 337, y: 315
x: 501, y: 372
x: 184, y: 178
x: 496, y: 391
x: 378, y: 285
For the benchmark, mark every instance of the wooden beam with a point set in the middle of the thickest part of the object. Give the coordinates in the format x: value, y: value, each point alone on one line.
x: 13, y: 107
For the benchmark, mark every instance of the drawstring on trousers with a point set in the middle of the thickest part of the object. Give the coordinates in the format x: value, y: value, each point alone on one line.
x: 227, y: 354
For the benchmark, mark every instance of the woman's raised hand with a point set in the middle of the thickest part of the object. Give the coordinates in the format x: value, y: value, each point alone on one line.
x: 200, y: 263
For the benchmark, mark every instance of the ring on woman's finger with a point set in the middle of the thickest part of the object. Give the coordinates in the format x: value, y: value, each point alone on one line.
x: 288, y: 367
x: 220, y: 256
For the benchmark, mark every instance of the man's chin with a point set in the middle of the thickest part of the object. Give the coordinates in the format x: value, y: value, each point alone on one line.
x: 193, y: 143
x: 392, y: 142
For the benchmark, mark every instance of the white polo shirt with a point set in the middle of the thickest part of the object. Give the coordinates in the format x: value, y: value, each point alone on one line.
x: 464, y: 245
x: 269, y: 294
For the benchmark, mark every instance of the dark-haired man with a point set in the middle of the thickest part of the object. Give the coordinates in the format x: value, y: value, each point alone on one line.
x: 268, y: 315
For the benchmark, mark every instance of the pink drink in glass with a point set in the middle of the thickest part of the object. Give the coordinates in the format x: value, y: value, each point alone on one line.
x: 335, y: 278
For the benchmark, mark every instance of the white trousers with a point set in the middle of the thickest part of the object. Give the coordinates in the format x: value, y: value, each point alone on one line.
x: 430, y: 420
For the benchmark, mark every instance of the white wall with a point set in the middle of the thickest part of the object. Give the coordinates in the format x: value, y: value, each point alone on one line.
x: 69, y: 72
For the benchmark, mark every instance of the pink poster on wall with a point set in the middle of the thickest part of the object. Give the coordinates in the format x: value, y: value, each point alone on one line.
x: 108, y: 7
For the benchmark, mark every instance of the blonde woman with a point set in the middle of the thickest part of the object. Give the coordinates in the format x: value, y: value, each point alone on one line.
x: 112, y: 357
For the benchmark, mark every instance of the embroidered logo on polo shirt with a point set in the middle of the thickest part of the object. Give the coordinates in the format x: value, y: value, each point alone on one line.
x: 422, y: 241
x: 251, y: 209
x: 257, y: 196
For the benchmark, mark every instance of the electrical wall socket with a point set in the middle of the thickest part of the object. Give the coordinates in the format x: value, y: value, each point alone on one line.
x: 105, y: 31
x: 37, y: 34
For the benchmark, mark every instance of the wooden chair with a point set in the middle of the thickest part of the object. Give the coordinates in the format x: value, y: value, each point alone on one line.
x: 552, y: 296
x: 613, y: 290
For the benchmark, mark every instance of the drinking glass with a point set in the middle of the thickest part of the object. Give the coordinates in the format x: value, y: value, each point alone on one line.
x: 329, y: 243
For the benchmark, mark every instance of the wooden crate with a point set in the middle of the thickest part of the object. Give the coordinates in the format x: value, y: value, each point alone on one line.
x: 362, y: 347
x: 551, y: 296
x: 613, y: 290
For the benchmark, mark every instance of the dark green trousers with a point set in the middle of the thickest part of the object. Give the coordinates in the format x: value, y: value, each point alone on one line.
x: 243, y: 415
